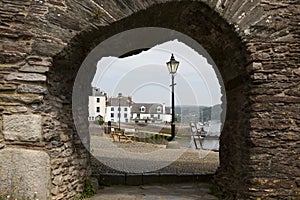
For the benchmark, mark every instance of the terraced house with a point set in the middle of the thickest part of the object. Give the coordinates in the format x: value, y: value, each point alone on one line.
x: 118, y: 108
x: 150, y: 113
x: 124, y: 109
x: 97, y: 104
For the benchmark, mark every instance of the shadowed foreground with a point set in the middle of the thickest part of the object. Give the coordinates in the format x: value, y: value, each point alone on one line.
x: 184, y: 191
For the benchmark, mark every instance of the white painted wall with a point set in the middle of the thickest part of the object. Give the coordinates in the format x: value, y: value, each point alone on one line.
x: 93, y: 104
x: 162, y: 117
x: 115, y: 113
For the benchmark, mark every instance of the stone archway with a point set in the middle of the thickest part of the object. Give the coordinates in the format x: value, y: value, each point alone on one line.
x: 253, y: 43
x: 215, y: 35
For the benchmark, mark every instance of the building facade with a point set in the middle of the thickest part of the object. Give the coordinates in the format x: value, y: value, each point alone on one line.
x: 118, y: 109
x: 97, y: 105
x: 123, y: 109
x: 150, y: 113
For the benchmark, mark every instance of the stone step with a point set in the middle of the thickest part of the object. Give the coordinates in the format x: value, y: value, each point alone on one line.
x: 153, y: 178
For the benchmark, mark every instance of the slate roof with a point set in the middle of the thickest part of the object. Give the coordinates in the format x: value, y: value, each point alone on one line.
x: 97, y: 92
x: 150, y: 108
x: 114, y: 101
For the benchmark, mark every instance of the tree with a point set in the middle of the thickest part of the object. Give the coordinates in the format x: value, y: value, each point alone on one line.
x: 100, y: 120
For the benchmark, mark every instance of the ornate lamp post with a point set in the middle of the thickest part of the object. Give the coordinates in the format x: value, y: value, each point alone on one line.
x: 172, y: 67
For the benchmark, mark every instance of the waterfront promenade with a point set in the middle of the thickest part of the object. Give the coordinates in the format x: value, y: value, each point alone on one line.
x: 141, y: 157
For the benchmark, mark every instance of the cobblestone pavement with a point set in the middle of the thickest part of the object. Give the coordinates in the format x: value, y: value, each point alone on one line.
x: 182, y: 191
x: 138, y: 156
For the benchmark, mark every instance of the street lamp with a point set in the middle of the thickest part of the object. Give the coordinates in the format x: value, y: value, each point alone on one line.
x: 119, y: 109
x: 172, y: 67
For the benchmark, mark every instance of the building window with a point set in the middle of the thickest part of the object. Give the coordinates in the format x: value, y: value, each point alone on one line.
x: 112, y: 109
x: 125, y: 115
x: 158, y: 109
x: 152, y: 116
x: 119, y: 108
x: 112, y: 115
x: 125, y: 109
x: 158, y: 117
x: 98, y: 109
x: 143, y: 109
x: 98, y: 100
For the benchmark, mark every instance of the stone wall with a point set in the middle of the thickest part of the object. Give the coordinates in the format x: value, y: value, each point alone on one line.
x: 42, y: 151
x: 254, y: 44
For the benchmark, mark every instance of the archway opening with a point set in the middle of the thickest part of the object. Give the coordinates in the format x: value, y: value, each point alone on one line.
x: 133, y: 93
x: 204, y: 25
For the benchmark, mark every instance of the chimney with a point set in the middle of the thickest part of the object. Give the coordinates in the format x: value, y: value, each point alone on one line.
x: 130, y: 100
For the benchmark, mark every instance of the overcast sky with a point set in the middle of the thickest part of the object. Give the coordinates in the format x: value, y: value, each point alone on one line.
x: 146, y: 78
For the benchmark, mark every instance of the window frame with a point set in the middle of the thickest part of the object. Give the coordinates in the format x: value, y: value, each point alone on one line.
x: 158, y: 109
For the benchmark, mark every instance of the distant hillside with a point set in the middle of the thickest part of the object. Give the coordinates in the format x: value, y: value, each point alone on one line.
x: 194, y: 113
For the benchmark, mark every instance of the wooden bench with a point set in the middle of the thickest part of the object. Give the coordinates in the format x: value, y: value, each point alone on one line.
x: 121, y: 135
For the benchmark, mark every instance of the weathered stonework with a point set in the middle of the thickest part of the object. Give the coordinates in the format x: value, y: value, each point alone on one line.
x: 25, y: 173
x: 25, y: 77
x: 25, y: 128
x: 255, y: 45
x: 33, y: 89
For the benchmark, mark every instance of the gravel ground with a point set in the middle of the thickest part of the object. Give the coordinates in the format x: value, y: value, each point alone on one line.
x: 139, y: 147
x: 190, y: 160
x: 185, y: 160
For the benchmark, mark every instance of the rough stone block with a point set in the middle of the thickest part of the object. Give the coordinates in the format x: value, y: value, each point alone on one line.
x: 35, y: 89
x: 25, y: 173
x: 5, y: 87
x: 254, y: 66
x: 25, y: 77
x: 12, y: 99
x: 14, y: 109
x: 22, y: 127
x: 35, y: 68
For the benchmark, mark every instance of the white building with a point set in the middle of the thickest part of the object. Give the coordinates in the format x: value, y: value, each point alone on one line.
x: 150, y: 113
x: 118, y: 106
x: 97, y: 104
x: 123, y: 109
